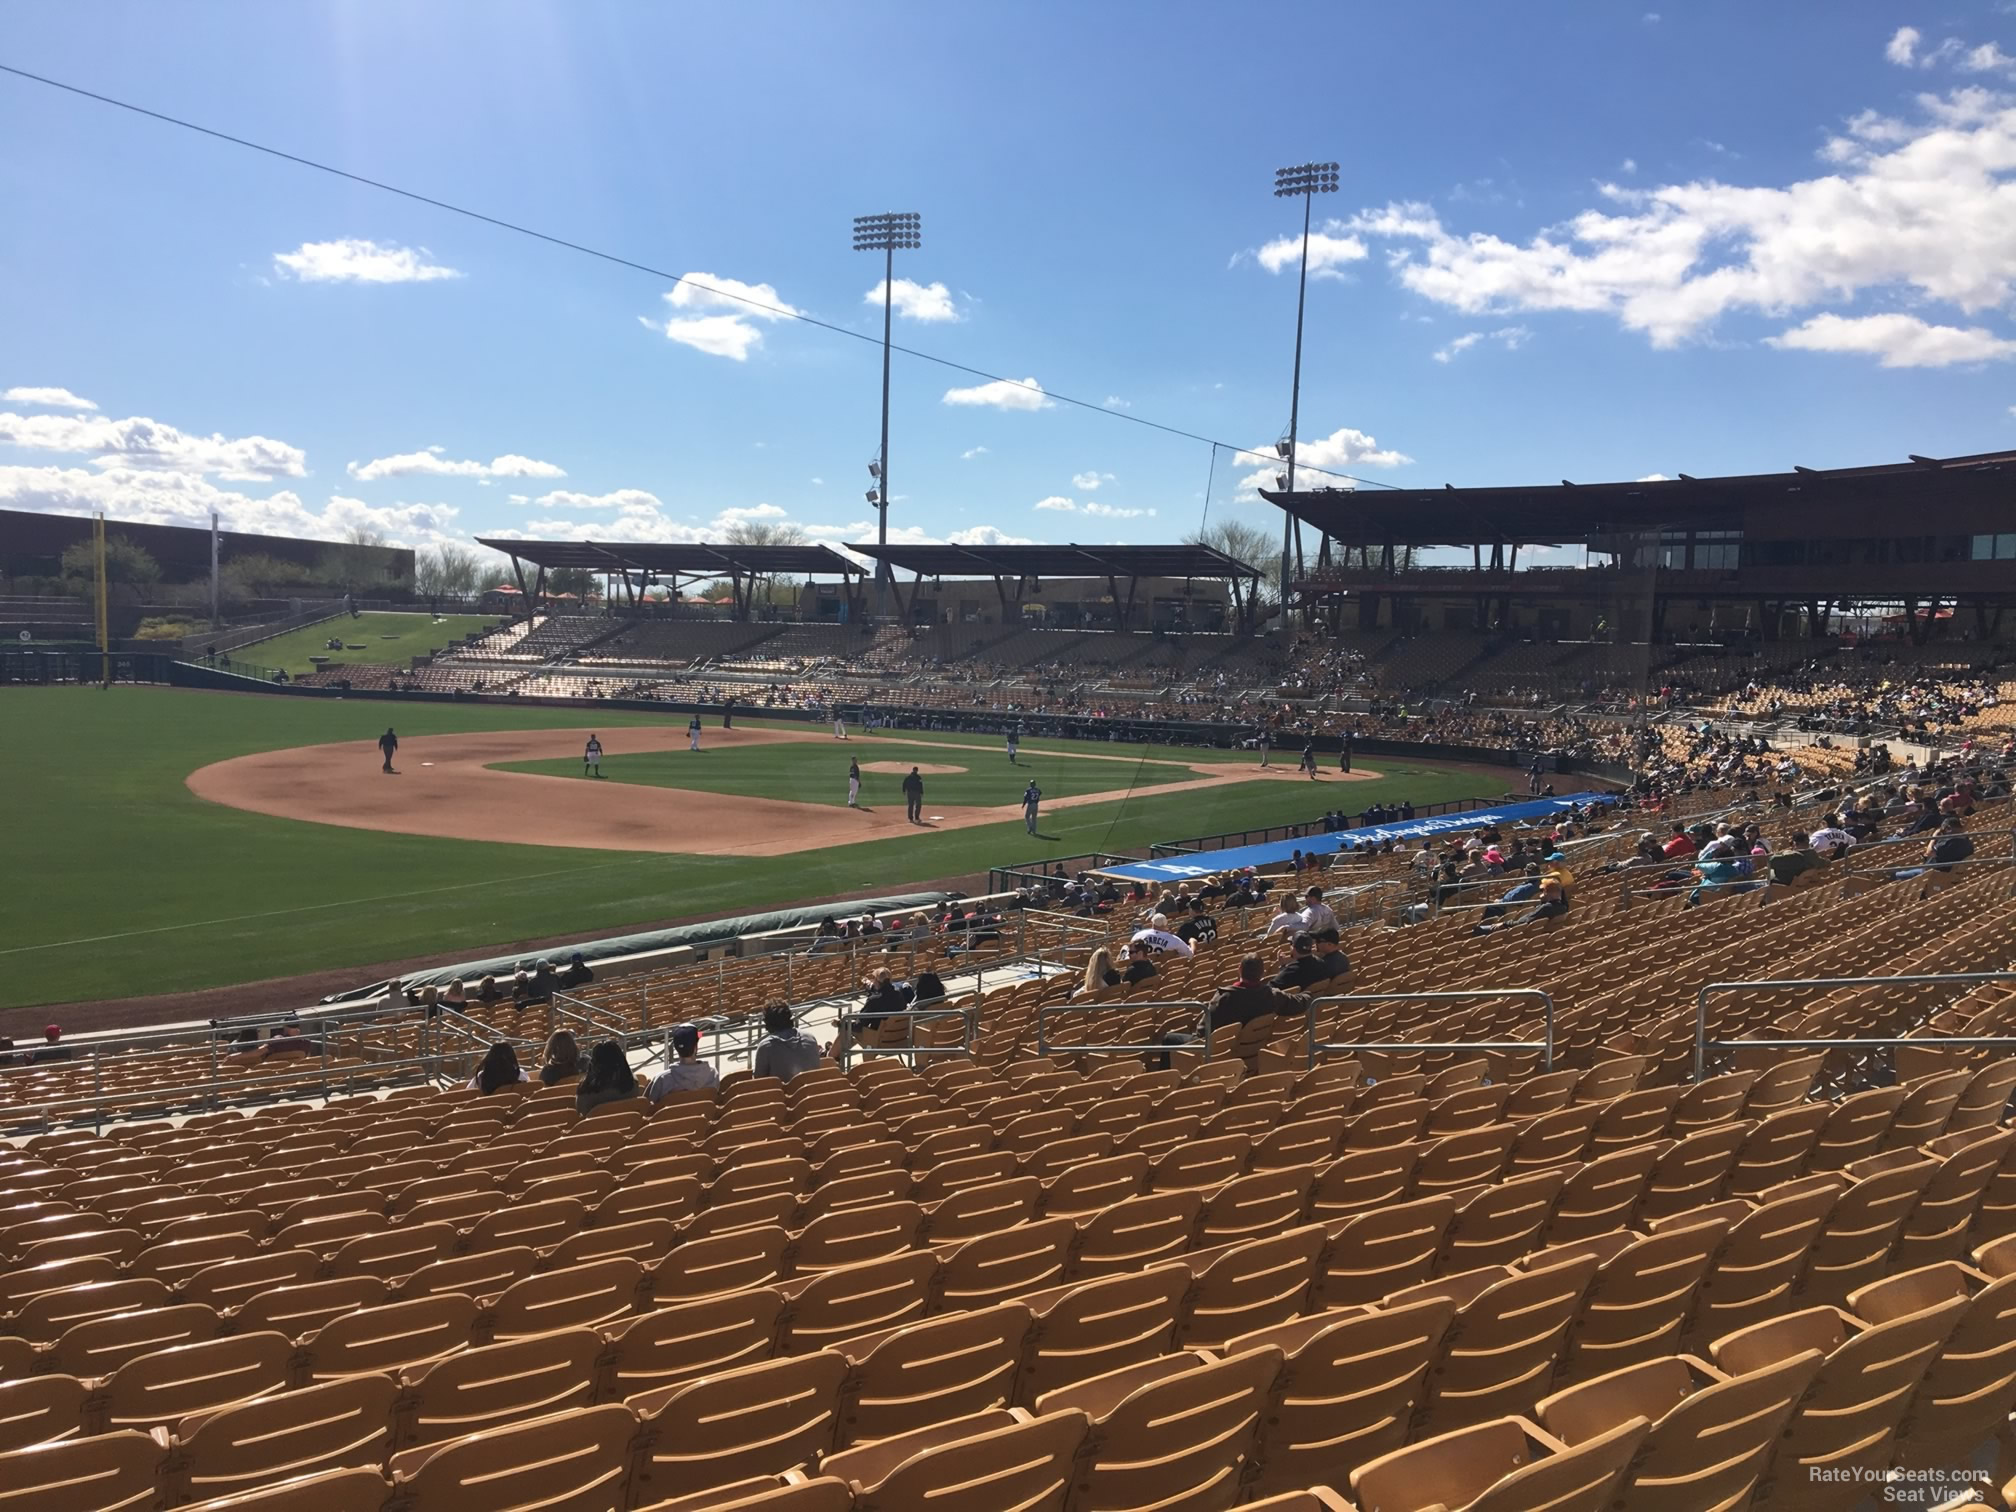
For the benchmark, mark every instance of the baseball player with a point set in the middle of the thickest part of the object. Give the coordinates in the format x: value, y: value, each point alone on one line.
x: 839, y: 723
x: 1263, y: 746
x: 388, y: 743
x: 693, y: 733
x: 1014, y: 744
x: 1032, y: 797
x: 1309, y: 760
x: 853, y: 783
x: 591, y: 757
x: 913, y: 796
x: 1344, y: 757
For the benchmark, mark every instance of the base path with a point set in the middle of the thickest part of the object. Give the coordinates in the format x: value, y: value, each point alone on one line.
x: 446, y: 786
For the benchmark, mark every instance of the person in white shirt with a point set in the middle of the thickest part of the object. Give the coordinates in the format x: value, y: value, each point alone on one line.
x: 1288, y: 920
x: 1316, y: 913
x: 1157, y: 937
x: 1829, y: 840
x: 686, y: 1074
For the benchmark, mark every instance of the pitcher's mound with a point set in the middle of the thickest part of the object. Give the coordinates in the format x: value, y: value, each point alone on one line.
x: 902, y: 768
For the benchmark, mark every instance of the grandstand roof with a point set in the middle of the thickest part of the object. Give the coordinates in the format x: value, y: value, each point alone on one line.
x: 1067, y: 561
x: 1569, y: 511
x: 682, y: 559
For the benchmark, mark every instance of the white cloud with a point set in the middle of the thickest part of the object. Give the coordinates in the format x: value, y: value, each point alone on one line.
x: 1329, y: 254
x: 1987, y: 58
x: 730, y: 335
x: 1085, y: 482
x: 915, y: 301
x: 1002, y: 393
x: 1114, y: 512
x: 48, y: 398
x: 1057, y: 502
x: 1628, y: 166
x: 818, y: 482
x: 142, y: 443
x: 1927, y: 207
x: 971, y: 452
x: 1902, y: 46
x: 1114, y: 401
x: 178, y: 498
x: 621, y: 498
x: 982, y: 535
x: 1901, y: 341
x: 431, y: 463
x: 748, y: 514
x: 1652, y: 478
x: 1509, y: 337
x: 1341, y: 451
x: 1650, y: 18
x: 354, y: 260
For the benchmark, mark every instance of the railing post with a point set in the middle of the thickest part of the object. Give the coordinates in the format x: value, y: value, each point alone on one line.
x: 97, y: 1089
x: 216, y: 1073
x: 1701, y: 1031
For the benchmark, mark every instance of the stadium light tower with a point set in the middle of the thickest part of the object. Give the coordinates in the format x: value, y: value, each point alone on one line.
x: 1304, y: 181
x: 885, y: 234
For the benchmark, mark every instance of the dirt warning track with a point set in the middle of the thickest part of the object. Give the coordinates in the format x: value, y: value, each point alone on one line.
x: 447, y: 786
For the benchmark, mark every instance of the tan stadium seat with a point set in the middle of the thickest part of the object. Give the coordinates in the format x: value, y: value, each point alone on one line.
x: 1848, y: 1417
x: 757, y: 1420
x: 1635, y: 1118
x: 1048, y: 1160
x: 672, y: 1197
x: 100, y: 1346
x: 1604, y: 1194
x: 954, y: 1175
x: 1136, y: 1233
x: 998, y: 1458
x: 1938, y: 1226
x: 1638, y: 1303
x: 1201, y: 1164
x: 1349, y: 1385
x: 998, y: 1267
x: 1242, y: 1287
x: 1493, y: 1467
x: 170, y: 1384
x: 772, y: 1210
x: 1373, y: 1254
x: 1499, y: 1354
x: 1711, y: 1435
x: 1553, y: 1138
x: 1853, y: 1246
x: 109, y: 1472
x: 767, y: 1493
x: 1264, y: 1202
x: 829, y: 1306
x: 1970, y: 1387
x: 1498, y: 1223
x: 1692, y: 1171
x: 46, y: 1318
x: 958, y: 1363
x: 474, y: 1390
x: 296, y: 1310
x: 1174, y: 1431
x: 331, y: 1491
x: 685, y: 1339
x: 1758, y: 1264
x: 985, y: 1209
x: 1777, y: 1149
x: 1091, y: 1327
x: 859, y: 1189
x: 483, y: 1274
x: 40, y: 1409
x: 537, y: 1224
x: 578, y: 1460
x: 723, y: 1263
x: 390, y: 1337
x: 229, y: 1283
x: 340, y: 1424
x: 393, y: 1253
x: 1985, y: 1102
x: 762, y: 1178
x: 1361, y: 1181
x: 581, y: 1296
x: 645, y: 1240
x: 119, y: 1245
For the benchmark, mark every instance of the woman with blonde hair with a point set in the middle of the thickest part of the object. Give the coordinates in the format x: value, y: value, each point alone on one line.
x: 563, y: 1058
x: 1099, y: 973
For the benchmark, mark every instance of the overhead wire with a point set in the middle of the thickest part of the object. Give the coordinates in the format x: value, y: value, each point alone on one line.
x: 780, y: 311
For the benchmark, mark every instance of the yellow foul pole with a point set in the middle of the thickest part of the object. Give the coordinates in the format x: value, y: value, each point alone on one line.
x: 104, y: 634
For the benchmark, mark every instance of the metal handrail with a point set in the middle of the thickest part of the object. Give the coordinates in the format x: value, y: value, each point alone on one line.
x: 845, y: 1023
x: 1544, y: 1045
x: 1043, y: 1047
x: 1702, y: 1044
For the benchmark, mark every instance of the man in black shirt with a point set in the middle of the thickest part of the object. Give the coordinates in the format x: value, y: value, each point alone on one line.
x: 1200, y: 928
x: 1139, y: 965
x: 52, y: 1048
x: 1330, y: 954
x: 1250, y: 999
x: 1302, y: 970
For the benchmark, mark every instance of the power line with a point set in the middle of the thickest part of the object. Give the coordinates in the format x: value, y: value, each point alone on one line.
x: 781, y: 311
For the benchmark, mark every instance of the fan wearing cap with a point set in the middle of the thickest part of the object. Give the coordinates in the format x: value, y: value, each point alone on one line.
x: 52, y: 1048
x: 686, y: 1074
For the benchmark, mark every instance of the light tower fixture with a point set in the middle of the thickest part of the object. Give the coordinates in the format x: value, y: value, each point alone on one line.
x: 888, y: 234
x: 1304, y: 181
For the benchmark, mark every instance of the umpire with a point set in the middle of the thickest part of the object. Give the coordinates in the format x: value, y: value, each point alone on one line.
x: 913, y: 795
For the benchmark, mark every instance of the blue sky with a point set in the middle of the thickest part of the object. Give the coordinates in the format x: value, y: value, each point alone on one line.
x: 1573, y: 240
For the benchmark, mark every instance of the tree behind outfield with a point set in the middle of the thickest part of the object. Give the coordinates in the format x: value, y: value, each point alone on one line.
x: 446, y: 572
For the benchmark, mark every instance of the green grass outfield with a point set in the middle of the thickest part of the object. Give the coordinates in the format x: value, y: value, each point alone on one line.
x: 388, y: 639
x: 121, y: 882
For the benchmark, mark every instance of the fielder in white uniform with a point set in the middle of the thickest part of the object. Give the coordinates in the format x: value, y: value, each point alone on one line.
x: 839, y: 724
